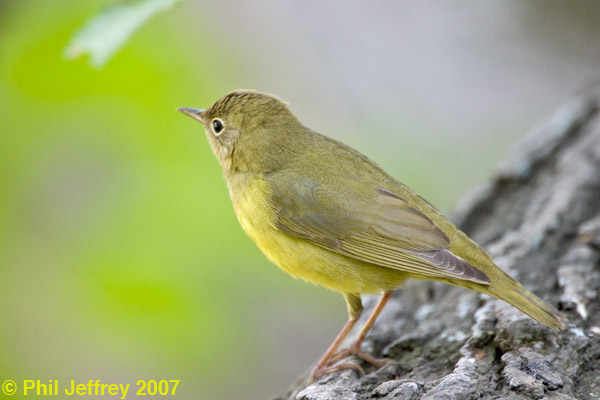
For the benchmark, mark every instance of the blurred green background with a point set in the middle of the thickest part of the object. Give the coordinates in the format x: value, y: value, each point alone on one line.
x: 120, y: 256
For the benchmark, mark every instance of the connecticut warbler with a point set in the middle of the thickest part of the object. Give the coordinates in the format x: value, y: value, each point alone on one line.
x: 325, y: 213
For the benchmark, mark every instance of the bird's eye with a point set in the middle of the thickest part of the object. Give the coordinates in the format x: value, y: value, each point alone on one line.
x: 217, y: 126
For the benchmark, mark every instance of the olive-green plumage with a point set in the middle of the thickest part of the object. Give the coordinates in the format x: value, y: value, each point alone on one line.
x: 325, y: 213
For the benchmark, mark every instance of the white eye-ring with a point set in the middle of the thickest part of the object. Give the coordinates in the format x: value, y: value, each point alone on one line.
x: 217, y: 126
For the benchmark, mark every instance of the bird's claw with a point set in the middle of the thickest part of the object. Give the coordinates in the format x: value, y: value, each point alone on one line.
x: 317, y: 373
x: 356, y: 350
x: 340, y: 355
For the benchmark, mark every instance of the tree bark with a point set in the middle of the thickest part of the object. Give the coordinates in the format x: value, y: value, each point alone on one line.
x: 540, y: 219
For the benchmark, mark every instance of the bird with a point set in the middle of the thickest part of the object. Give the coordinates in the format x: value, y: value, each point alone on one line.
x: 325, y: 213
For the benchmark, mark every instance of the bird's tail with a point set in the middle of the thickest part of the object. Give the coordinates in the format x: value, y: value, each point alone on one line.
x: 513, y: 293
x: 505, y: 288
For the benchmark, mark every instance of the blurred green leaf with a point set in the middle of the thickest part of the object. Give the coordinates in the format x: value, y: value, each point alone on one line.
x: 107, y: 31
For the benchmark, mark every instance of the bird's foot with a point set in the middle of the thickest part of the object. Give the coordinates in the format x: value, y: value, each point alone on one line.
x: 354, y: 349
x: 319, y: 372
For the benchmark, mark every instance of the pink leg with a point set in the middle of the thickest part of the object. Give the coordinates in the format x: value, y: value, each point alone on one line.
x: 330, y: 356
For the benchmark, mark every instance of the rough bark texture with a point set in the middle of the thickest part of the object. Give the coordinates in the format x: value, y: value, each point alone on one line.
x: 540, y: 220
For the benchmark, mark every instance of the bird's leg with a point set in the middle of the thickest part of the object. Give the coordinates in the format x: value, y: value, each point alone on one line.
x: 355, y: 347
x: 330, y: 357
x: 354, y: 311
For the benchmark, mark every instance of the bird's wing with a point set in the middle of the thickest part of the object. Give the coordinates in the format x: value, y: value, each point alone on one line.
x: 379, y: 228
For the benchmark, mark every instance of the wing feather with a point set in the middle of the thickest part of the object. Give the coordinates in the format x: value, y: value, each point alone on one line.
x: 381, y: 229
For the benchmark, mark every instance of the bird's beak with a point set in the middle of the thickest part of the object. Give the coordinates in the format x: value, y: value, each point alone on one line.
x: 194, y: 113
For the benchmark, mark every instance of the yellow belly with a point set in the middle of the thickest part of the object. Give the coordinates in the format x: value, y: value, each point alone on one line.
x: 299, y: 257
